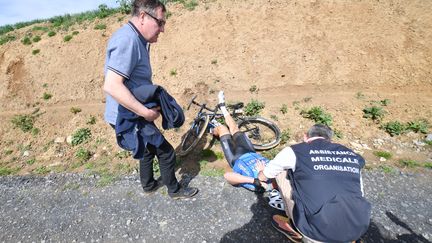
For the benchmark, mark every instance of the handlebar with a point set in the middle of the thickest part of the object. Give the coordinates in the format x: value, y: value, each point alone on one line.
x: 203, y: 106
x: 191, y: 102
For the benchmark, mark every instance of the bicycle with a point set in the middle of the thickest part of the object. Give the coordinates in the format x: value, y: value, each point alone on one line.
x: 264, y: 134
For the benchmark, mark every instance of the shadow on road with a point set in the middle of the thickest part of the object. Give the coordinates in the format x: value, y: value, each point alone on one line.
x: 259, y: 228
x: 377, y: 233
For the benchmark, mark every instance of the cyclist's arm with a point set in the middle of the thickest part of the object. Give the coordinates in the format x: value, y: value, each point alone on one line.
x: 284, y: 160
x: 234, y: 178
x: 115, y: 87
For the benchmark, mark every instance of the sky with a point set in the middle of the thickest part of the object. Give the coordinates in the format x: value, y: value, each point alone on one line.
x: 14, y: 11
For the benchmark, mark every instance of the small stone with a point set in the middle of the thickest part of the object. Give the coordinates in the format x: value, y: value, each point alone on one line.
x: 26, y: 153
x: 382, y: 159
x: 59, y: 140
x: 69, y: 139
x: 128, y: 222
x: 429, y: 137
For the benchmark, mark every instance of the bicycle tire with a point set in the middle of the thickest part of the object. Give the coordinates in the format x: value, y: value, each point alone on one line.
x: 264, y: 134
x: 193, y: 135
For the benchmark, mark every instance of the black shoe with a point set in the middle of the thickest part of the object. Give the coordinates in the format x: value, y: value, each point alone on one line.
x: 153, y: 188
x: 183, y: 192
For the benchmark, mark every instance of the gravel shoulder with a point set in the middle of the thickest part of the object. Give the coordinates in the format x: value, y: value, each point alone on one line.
x: 71, y: 207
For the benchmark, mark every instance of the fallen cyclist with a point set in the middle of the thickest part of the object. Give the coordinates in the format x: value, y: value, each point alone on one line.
x: 239, y: 153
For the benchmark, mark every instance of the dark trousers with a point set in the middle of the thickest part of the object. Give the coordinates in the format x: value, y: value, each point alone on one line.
x: 167, y: 158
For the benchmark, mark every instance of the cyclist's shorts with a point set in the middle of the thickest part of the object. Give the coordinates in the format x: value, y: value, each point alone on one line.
x: 246, y: 165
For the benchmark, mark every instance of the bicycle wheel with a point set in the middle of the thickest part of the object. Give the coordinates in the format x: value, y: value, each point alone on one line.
x: 193, y: 136
x: 263, y: 133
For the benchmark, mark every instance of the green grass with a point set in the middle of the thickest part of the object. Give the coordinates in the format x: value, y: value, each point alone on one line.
x: 31, y: 161
x: 23, y: 122
x: 359, y: 95
x: 428, y: 165
x: 124, y: 168
x: 35, y: 51
x: 51, y: 33
x: 67, y: 38
x: 409, y: 163
x: 173, y: 72
x: 318, y: 115
x: 274, y: 117
x: 36, y: 38
x: 83, y: 155
x: 35, y: 131
x: 123, y: 154
x: 76, y: 32
x: 46, y: 96
x: 254, y: 107
x: 40, y: 28
x: 8, y: 171
x: 6, y: 38
x: 285, y: 136
x: 207, y: 153
x: 41, y: 170
x: 100, y: 27
x: 8, y: 151
x: 419, y: 126
x: 106, y: 179
x: 91, y: 120
x: 270, y: 154
x: 387, y: 169
x: 214, y: 61
x: 383, y: 154
x: 284, y: 109
x: 385, y: 102
x: 375, y: 113
x: 394, y: 128
x: 213, y: 172
x: 75, y: 110
x: 253, y: 89
x: 26, y: 41
x: 80, y: 136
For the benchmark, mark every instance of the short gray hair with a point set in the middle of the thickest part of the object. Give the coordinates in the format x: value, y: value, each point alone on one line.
x: 149, y: 6
x: 320, y: 130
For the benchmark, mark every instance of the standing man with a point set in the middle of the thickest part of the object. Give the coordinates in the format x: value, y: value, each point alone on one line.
x: 321, y: 184
x: 127, y: 66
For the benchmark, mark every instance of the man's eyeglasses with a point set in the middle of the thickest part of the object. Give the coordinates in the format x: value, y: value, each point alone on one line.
x: 160, y: 22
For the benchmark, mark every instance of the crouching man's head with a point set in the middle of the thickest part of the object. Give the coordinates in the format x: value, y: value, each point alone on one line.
x: 319, y: 131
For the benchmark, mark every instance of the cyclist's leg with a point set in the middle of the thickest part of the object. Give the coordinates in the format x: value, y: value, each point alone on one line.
x: 232, y: 125
x: 228, y: 147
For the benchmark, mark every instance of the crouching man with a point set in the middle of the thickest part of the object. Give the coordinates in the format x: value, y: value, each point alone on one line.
x: 321, y: 184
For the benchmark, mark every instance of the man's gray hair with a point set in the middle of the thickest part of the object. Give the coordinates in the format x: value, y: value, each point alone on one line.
x: 148, y: 6
x: 320, y: 130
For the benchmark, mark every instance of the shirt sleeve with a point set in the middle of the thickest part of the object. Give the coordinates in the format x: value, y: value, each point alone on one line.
x: 122, y: 56
x: 284, y: 160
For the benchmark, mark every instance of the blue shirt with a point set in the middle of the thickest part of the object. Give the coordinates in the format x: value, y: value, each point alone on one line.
x: 127, y: 55
x: 246, y: 165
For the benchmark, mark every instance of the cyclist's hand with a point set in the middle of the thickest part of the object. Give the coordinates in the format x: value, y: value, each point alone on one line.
x: 260, y: 165
x: 152, y: 114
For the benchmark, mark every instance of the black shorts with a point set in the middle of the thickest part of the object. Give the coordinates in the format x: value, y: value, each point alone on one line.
x: 235, y: 146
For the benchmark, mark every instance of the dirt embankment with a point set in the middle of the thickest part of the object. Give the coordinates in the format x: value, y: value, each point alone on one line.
x: 341, y: 56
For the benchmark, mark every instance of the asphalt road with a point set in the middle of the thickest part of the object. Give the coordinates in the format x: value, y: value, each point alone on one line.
x: 70, y: 207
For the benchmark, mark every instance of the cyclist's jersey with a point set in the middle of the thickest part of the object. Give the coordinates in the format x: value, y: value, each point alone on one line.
x: 246, y: 165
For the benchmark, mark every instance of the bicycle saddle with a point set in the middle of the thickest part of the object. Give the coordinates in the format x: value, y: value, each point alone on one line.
x: 236, y: 106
